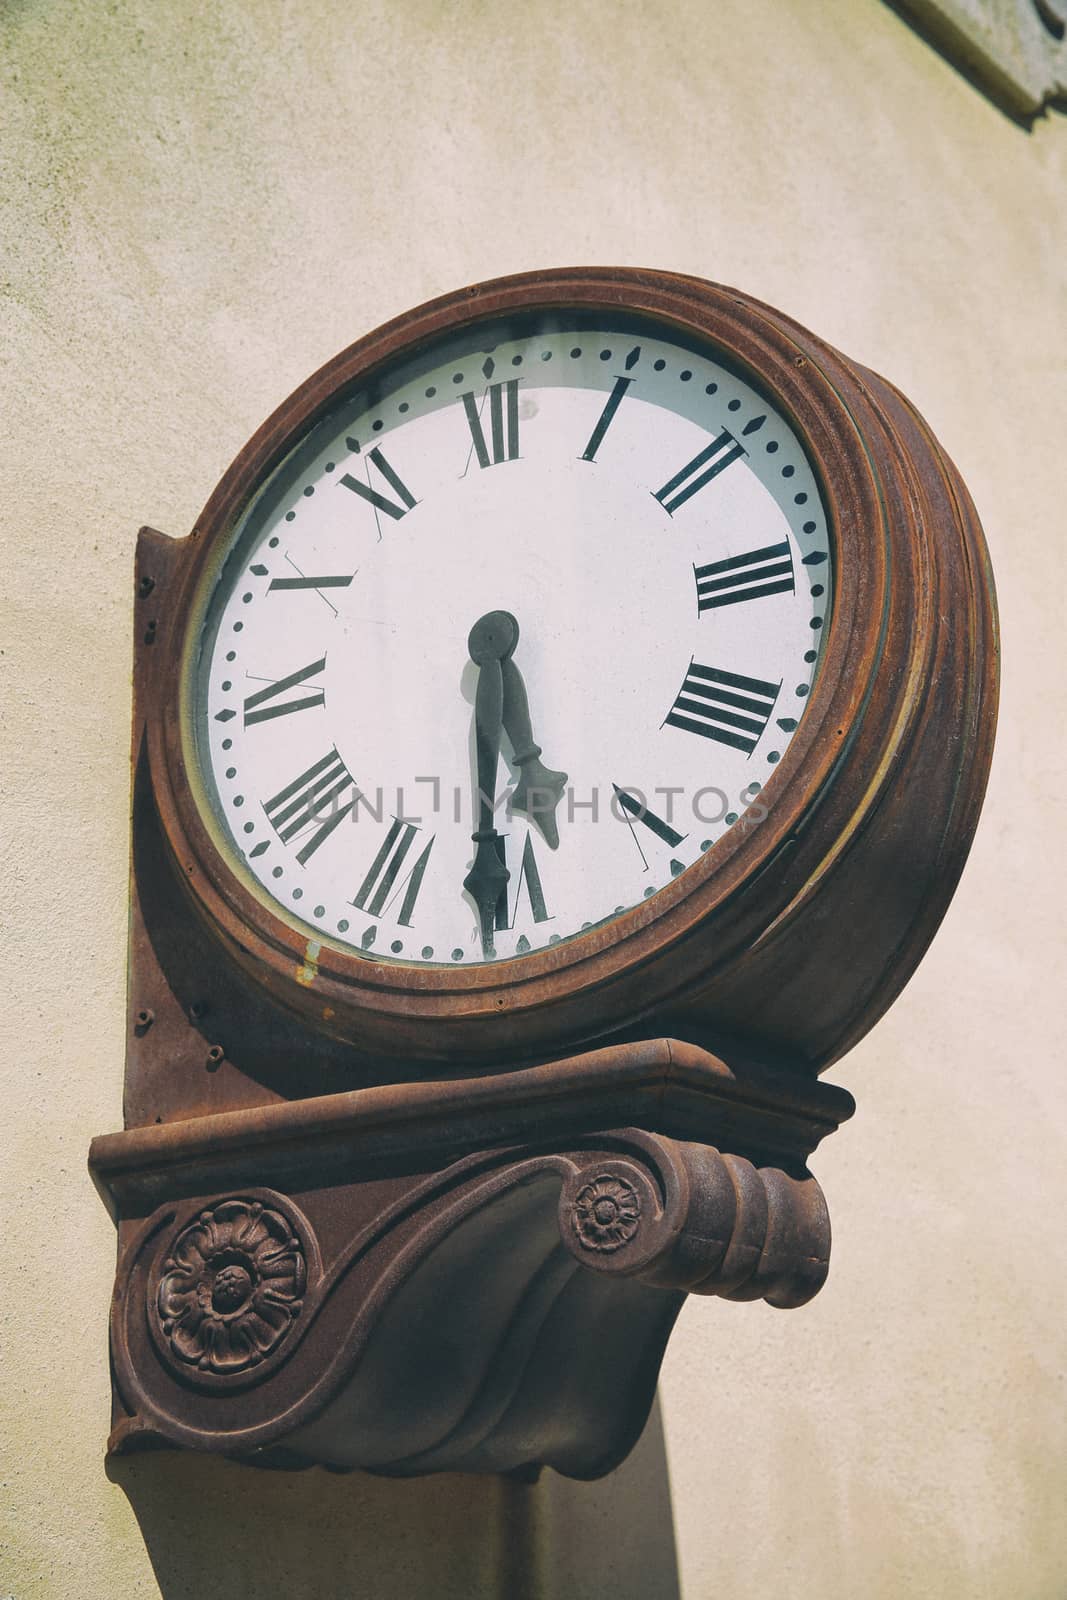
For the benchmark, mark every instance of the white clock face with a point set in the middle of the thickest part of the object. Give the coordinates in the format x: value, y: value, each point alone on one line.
x: 654, y: 535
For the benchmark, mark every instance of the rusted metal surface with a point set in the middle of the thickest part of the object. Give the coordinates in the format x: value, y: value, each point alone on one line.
x: 411, y: 1219
x: 503, y: 1309
x: 662, y: 1085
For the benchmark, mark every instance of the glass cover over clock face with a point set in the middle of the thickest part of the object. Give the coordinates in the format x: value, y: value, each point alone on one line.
x: 510, y: 640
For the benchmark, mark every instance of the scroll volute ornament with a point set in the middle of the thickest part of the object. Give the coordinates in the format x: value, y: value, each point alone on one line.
x: 404, y: 1132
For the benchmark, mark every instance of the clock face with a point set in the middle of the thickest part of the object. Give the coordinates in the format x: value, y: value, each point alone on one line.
x: 510, y: 640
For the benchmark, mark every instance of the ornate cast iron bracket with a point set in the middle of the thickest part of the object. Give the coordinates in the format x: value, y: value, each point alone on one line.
x: 475, y: 1275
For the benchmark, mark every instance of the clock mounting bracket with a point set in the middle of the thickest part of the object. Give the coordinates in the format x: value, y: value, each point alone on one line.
x: 454, y: 1275
x: 447, y: 1222
x: 547, y: 1219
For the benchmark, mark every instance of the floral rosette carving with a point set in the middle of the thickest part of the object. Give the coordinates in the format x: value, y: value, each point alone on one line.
x: 607, y: 1212
x: 231, y: 1287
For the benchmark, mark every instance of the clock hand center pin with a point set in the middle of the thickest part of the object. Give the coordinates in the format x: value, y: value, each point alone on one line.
x: 493, y: 637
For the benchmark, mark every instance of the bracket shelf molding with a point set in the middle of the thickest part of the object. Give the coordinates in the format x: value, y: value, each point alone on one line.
x: 473, y: 1275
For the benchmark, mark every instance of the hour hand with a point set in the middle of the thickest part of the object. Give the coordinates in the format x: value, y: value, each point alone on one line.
x: 539, y: 789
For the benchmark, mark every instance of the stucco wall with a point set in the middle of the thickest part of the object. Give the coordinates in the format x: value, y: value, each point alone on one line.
x: 200, y: 204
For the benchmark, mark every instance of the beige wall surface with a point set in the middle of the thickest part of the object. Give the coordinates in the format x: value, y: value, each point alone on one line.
x: 200, y: 203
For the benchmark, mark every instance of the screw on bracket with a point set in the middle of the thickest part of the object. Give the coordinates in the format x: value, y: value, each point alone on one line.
x: 214, y: 1057
x: 144, y: 1019
x: 145, y: 587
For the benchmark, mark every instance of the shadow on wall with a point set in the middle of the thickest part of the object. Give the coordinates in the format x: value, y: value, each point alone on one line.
x: 216, y: 1529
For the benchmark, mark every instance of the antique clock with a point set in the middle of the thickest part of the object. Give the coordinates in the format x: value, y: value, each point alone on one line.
x: 556, y: 743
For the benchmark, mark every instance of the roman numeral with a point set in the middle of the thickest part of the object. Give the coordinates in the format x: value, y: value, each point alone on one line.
x: 380, y: 887
x: 303, y: 581
x: 712, y: 460
x: 648, y: 819
x: 339, y: 582
x: 265, y: 703
x: 747, y: 577
x: 503, y: 423
x: 596, y: 438
x: 494, y: 917
x: 531, y: 877
x: 381, y: 502
x: 315, y: 800
x: 724, y: 706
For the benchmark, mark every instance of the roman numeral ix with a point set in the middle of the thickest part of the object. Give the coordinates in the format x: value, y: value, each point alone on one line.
x: 712, y: 460
x: 747, y: 577
x: 724, y: 706
x: 315, y: 800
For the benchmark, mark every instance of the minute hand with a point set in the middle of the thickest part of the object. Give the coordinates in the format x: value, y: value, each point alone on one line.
x: 490, y: 638
x: 539, y: 789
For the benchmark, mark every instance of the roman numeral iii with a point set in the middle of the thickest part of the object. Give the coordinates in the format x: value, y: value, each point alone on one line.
x: 503, y: 405
x: 723, y: 706
x: 712, y: 460
x: 380, y: 887
x: 747, y: 577
x: 319, y: 799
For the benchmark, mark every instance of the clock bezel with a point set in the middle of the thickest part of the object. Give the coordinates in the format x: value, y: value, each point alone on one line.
x: 573, y: 990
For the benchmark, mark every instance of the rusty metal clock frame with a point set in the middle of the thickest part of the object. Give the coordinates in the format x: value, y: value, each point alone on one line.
x: 898, y: 728
x: 357, y: 1133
